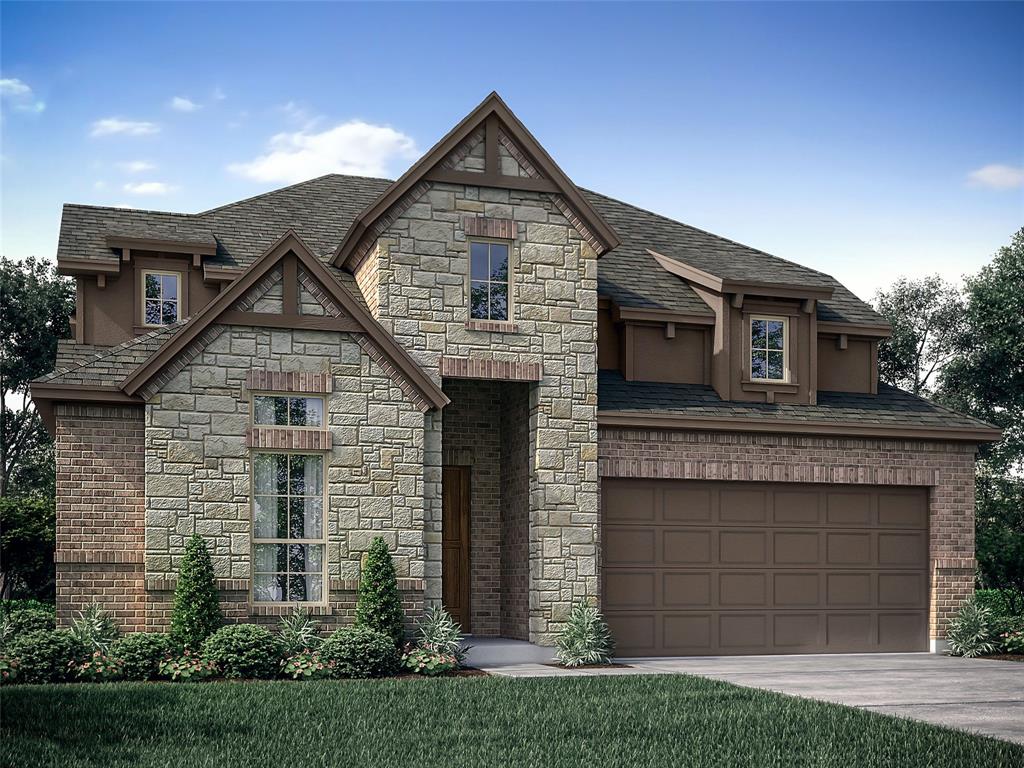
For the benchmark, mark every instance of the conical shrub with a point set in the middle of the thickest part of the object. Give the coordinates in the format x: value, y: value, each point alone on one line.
x: 196, y: 613
x: 379, y: 605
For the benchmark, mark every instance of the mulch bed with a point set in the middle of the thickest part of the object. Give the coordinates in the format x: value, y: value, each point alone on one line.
x: 1005, y: 657
x: 589, y: 666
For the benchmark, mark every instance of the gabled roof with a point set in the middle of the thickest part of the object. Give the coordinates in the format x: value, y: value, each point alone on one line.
x: 492, y: 114
x: 289, y: 243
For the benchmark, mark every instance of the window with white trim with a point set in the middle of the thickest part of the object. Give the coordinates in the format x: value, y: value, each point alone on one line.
x: 161, y: 297
x: 288, y: 411
x: 488, y: 280
x: 769, y: 351
x: 289, y: 531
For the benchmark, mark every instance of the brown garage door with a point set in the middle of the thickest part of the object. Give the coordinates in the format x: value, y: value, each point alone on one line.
x: 693, y: 568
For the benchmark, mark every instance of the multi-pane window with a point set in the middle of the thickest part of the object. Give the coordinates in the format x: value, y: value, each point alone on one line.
x: 287, y: 411
x: 489, y: 283
x: 288, y: 528
x: 161, y: 297
x: 768, y: 349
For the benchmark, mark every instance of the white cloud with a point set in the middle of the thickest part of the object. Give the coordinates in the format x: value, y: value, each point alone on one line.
x: 99, y: 185
x: 136, y: 166
x: 353, y: 147
x: 111, y: 126
x: 150, y: 188
x: 19, y: 96
x: 218, y: 94
x: 181, y: 104
x: 997, y: 176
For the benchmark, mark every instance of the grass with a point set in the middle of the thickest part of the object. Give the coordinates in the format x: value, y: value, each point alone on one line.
x: 483, y: 721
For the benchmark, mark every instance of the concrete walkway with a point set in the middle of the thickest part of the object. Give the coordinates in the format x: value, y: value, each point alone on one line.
x: 975, y: 695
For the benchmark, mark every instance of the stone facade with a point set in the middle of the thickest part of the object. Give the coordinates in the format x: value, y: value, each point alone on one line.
x: 420, y: 268
x: 946, y: 469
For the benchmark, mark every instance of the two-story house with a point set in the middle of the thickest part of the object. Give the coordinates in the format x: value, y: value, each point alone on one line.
x: 533, y: 392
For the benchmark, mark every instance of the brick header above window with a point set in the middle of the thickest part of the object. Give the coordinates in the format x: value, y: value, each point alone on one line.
x: 289, y: 438
x: 481, y: 226
x: 306, y: 382
x: 476, y: 368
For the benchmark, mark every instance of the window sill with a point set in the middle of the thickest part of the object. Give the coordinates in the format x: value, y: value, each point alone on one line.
x: 285, y: 609
x: 492, y: 326
x: 754, y: 385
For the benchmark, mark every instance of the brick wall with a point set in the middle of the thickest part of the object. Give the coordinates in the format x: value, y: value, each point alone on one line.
x: 947, y: 469
x: 99, y: 452
x: 515, y: 511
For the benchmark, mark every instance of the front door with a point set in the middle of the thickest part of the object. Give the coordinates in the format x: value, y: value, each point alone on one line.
x: 455, y: 544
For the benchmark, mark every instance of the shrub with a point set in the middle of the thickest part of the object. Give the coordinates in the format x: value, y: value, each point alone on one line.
x: 196, y: 613
x: 95, y: 629
x: 44, y: 655
x: 360, y: 651
x: 97, y: 668
x: 8, y: 669
x: 427, y: 662
x: 441, y: 634
x: 298, y: 632
x: 307, y: 665
x: 21, y: 616
x: 189, y: 667
x: 585, y: 639
x: 1007, y: 618
x: 243, y: 650
x: 140, y: 654
x: 970, y: 633
x: 1013, y: 642
x: 379, y: 606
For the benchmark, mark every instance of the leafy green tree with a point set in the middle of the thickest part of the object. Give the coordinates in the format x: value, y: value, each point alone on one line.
x: 37, y: 306
x: 379, y: 605
x: 927, y: 318
x: 196, y: 613
x: 27, y: 526
x: 986, y: 379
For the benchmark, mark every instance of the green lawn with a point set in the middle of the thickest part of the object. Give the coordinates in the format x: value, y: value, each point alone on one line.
x: 600, y: 721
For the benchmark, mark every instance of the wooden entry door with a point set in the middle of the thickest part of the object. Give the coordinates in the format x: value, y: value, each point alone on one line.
x: 455, y: 544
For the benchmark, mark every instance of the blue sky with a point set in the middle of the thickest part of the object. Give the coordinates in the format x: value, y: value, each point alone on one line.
x: 865, y: 140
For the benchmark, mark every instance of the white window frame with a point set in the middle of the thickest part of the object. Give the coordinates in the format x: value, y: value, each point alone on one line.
x: 322, y: 541
x: 786, y: 375
x: 178, y: 301
x: 292, y: 396
x: 488, y: 241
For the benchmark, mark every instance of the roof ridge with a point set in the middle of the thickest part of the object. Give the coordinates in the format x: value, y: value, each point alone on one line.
x: 122, y: 209
x: 250, y: 199
x: 663, y: 217
x: 134, y: 341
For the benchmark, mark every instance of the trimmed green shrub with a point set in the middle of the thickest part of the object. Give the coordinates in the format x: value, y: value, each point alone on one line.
x: 243, y: 650
x: 95, y: 629
x: 140, y: 654
x: 441, y: 634
x: 189, y: 667
x: 45, y: 656
x: 196, y: 613
x: 585, y: 639
x: 970, y: 632
x: 379, y: 605
x: 360, y: 651
x: 297, y: 632
x: 21, y: 616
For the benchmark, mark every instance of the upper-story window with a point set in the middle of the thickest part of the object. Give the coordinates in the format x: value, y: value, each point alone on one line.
x: 161, y: 297
x: 489, y: 280
x: 288, y: 411
x: 769, y: 352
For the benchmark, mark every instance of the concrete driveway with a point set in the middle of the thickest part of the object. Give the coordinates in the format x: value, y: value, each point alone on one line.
x: 975, y: 695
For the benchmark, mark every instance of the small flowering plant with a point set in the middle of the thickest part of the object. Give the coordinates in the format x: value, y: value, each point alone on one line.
x: 187, y: 667
x: 8, y: 669
x: 307, y: 665
x: 423, y: 661
x: 1013, y: 642
x: 97, y: 668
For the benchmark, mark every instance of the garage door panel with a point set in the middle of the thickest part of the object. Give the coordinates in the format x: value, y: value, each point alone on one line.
x: 681, y: 547
x: 707, y: 567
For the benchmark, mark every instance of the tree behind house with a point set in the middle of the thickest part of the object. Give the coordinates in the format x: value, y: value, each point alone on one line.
x: 379, y: 605
x: 196, y: 613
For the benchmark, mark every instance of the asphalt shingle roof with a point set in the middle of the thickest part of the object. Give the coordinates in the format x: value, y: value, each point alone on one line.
x: 109, y: 367
x: 890, y: 406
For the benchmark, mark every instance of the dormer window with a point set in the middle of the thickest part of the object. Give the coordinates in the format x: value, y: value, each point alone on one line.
x: 489, y: 280
x: 161, y: 297
x: 769, y: 352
